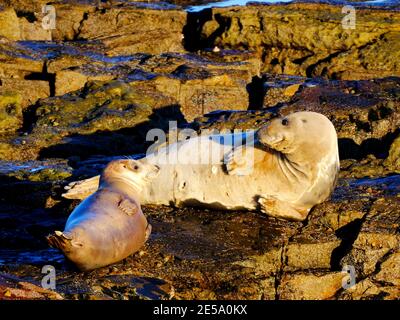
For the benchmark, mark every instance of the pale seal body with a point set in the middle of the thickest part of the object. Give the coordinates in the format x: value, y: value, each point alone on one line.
x: 292, y: 166
x: 109, y: 225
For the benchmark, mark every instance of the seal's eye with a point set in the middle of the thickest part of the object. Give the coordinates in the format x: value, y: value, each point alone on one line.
x: 285, y: 122
x: 135, y: 167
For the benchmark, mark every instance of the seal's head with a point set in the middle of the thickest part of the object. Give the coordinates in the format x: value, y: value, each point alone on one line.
x: 133, y: 172
x: 300, y: 133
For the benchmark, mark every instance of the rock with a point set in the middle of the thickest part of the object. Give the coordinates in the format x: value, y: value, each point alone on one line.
x: 267, y: 290
x: 330, y: 229
x: 242, y: 59
x: 218, y: 90
x: 103, y: 118
x: 78, y: 121
x: 36, y: 171
x: 197, y: 84
x: 30, y: 91
x: 241, y: 273
x: 264, y: 264
x: 365, y: 62
x: 275, y: 32
x: 71, y: 80
x: 18, y: 63
x: 367, y: 167
x: 279, y: 89
x: 310, y: 286
x: 111, y: 107
x: 115, y: 26
x: 118, y: 286
x: 23, y: 73
x: 35, y: 183
x: 132, y: 28
x: 73, y: 105
x: 33, y: 31
x: 184, y: 86
x: 248, y: 256
x: 12, y: 289
x: 370, y: 112
x: 9, y: 24
x: 69, y: 18
x: 303, y: 255
x: 26, y: 5
x: 393, y: 160
x: 377, y: 237
x: 328, y: 49
x: 389, y: 270
x: 369, y: 290
x: 10, y: 112
x: 366, y: 121
x: 232, y: 119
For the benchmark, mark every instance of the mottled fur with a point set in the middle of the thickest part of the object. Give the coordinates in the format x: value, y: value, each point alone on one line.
x: 292, y: 166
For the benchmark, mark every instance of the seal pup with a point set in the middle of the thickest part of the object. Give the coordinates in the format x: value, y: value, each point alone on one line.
x: 109, y: 225
x: 292, y: 166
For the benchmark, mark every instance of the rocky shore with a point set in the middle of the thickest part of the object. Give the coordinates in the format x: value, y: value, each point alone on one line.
x: 75, y: 97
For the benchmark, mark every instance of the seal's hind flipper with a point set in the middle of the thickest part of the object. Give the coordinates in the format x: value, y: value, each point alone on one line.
x: 148, y: 232
x: 279, y: 209
x: 59, y: 240
x: 127, y: 206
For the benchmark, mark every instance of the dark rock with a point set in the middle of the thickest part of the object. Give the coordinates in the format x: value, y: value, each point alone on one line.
x: 378, y: 236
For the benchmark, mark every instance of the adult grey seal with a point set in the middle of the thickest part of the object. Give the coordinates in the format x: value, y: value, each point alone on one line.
x: 292, y: 166
x: 109, y: 225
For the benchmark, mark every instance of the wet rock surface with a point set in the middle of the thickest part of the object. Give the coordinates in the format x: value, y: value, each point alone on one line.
x: 195, y: 253
x: 74, y: 98
x: 326, y: 49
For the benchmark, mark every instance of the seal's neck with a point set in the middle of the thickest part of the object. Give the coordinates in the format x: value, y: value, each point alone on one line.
x: 292, y: 168
x: 304, y: 161
x: 122, y: 184
x: 309, y: 152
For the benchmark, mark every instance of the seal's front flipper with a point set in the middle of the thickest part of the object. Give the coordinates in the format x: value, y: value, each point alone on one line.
x: 240, y: 161
x: 148, y: 232
x: 127, y: 206
x: 279, y: 209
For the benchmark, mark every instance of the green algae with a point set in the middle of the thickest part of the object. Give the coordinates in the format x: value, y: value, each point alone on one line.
x: 10, y: 112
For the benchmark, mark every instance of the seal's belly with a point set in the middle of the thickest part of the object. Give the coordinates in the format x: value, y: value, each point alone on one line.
x: 107, y: 234
x: 192, y: 173
x: 213, y: 188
